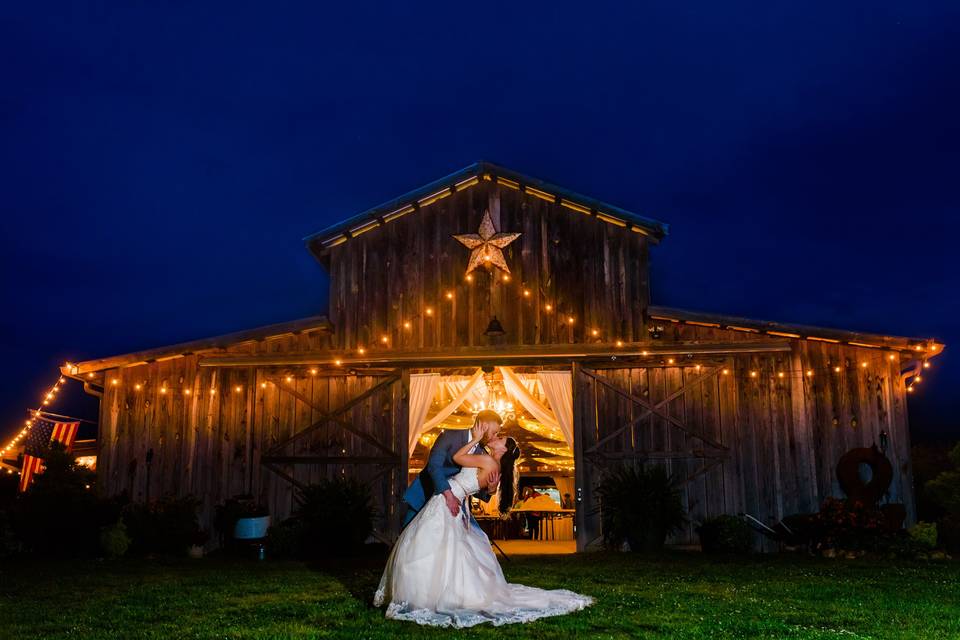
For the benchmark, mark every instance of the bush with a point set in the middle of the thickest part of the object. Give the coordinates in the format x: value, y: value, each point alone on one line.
x: 59, y: 500
x: 641, y: 506
x: 925, y: 533
x: 725, y: 534
x: 286, y: 540
x: 337, y: 516
x: 114, y: 540
x: 166, y: 525
x: 847, y: 524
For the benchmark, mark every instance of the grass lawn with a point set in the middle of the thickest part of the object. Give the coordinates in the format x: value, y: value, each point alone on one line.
x: 678, y: 596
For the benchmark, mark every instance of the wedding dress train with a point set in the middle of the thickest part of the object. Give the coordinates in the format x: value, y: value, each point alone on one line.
x: 442, y: 572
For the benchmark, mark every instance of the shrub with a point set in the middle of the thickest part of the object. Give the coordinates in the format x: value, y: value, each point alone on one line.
x: 166, y: 525
x: 61, y: 499
x: 847, y: 524
x: 641, y: 506
x: 925, y: 533
x: 114, y: 540
x: 337, y: 516
x: 286, y: 540
x: 725, y: 534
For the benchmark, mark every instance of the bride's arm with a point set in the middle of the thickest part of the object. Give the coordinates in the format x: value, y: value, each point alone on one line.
x: 464, y: 459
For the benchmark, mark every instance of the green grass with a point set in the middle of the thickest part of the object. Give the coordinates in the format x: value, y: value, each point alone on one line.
x: 679, y: 596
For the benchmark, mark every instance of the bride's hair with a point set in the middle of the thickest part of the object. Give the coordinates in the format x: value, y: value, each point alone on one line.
x: 509, y: 477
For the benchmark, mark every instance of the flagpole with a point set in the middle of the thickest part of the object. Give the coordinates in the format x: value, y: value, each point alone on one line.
x: 57, y: 415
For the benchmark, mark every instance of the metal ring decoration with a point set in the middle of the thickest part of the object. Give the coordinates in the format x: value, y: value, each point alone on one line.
x: 848, y: 474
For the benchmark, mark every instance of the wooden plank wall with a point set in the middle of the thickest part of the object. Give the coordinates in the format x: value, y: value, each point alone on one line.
x: 582, y: 267
x: 785, y: 433
x: 211, y: 426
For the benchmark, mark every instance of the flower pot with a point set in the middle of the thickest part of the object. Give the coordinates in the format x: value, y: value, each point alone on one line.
x: 195, y: 551
x: 251, y: 528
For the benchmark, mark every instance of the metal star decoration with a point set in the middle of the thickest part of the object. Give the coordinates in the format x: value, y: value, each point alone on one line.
x: 487, y: 245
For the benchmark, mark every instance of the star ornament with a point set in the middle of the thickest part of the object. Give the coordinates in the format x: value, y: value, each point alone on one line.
x: 487, y: 245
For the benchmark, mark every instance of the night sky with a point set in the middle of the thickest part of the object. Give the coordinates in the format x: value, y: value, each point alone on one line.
x: 160, y: 165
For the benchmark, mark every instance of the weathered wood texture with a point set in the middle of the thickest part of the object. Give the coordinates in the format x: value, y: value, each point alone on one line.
x: 393, y: 281
x: 210, y: 428
x: 784, y: 433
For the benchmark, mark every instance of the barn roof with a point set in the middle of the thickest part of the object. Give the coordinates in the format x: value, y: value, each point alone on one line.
x: 926, y: 346
x: 204, y: 345
x: 384, y: 213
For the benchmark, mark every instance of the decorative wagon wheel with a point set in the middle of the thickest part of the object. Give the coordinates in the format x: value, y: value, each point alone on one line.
x: 848, y: 473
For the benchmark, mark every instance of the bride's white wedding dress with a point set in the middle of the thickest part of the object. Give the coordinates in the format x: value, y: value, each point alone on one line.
x: 442, y: 572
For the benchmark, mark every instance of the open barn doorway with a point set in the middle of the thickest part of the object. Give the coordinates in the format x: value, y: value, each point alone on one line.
x: 536, y: 407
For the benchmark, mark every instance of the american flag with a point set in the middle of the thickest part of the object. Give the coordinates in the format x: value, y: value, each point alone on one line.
x: 41, y: 434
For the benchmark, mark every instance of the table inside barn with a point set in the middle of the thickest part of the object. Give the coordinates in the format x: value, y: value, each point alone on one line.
x: 553, y: 524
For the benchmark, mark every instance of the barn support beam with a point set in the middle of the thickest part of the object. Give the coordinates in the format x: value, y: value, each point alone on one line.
x: 645, y: 353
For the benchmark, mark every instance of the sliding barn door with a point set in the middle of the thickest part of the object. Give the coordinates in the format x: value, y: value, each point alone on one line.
x: 672, y: 416
x: 346, y: 426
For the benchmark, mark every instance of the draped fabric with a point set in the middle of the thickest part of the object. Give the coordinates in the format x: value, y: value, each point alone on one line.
x: 564, y: 485
x: 464, y: 390
x: 515, y: 387
x: 423, y: 386
x: 558, y: 389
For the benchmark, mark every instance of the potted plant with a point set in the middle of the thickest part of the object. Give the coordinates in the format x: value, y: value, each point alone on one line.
x: 725, y: 534
x: 639, y: 505
x: 197, y: 541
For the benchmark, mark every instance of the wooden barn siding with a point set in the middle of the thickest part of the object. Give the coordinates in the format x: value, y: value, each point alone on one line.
x: 210, y: 445
x: 595, y: 271
x: 833, y: 411
x: 785, y: 435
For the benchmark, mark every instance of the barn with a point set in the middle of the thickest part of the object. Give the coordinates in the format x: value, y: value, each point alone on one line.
x: 488, y: 288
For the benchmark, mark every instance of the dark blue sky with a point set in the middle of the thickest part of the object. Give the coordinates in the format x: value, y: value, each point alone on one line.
x: 160, y: 164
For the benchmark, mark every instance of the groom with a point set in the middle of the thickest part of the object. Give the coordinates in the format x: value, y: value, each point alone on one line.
x: 441, y: 467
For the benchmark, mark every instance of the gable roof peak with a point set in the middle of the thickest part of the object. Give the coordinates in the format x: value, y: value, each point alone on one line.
x: 466, y: 177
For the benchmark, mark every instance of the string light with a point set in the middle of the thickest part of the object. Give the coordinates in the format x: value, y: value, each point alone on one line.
x: 313, y: 372
x: 470, y: 276
x: 384, y: 339
x: 361, y: 351
x: 263, y: 385
x: 407, y: 325
x: 429, y: 311
x: 237, y: 389
x: 187, y: 391
x: 594, y: 332
x: 548, y: 307
x: 449, y: 295
x: 289, y: 378
x: 526, y: 293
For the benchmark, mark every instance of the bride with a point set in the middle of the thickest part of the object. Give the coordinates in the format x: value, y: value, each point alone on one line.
x: 442, y: 571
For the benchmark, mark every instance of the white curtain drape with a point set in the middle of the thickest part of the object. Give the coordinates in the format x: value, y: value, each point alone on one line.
x: 558, y: 389
x: 564, y: 485
x: 423, y: 386
x: 467, y: 389
x: 515, y: 387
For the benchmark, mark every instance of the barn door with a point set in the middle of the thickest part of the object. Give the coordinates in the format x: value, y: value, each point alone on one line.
x: 663, y: 415
x: 328, y: 426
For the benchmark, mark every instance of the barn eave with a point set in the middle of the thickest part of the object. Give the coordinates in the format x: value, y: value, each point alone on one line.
x: 321, y: 242
x: 919, y: 347
x: 309, y: 324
